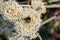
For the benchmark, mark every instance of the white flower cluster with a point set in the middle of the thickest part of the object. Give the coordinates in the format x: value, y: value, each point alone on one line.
x: 27, y: 20
x: 38, y: 5
x: 29, y: 23
x: 11, y: 10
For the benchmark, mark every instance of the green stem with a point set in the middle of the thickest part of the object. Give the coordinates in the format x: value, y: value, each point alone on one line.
x: 54, y: 17
x: 39, y: 36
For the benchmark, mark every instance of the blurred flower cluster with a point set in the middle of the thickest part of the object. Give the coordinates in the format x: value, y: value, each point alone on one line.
x: 27, y: 21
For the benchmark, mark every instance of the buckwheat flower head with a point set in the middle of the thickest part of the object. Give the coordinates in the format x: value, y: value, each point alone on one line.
x: 11, y: 10
x: 28, y: 23
x: 39, y: 5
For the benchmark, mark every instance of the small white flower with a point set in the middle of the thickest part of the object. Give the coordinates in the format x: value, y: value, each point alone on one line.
x: 39, y: 5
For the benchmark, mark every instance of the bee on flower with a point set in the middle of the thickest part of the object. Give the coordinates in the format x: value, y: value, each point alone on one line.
x: 28, y: 23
